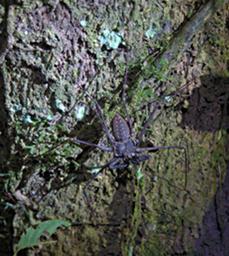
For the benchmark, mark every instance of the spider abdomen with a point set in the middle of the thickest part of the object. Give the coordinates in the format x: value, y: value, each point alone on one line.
x: 120, y: 128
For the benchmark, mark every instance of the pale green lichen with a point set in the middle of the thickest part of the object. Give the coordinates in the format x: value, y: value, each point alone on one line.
x: 27, y: 119
x: 83, y: 23
x: 59, y: 105
x: 151, y: 33
x: 15, y: 108
x: 80, y: 112
x: 110, y: 39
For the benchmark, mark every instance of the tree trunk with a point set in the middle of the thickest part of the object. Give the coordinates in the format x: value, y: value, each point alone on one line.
x: 56, y: 58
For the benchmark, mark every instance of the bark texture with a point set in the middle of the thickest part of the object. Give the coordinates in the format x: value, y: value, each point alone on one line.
x: 176, y: 54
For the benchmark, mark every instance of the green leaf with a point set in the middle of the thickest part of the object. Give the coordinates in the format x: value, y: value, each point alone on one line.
x: 32, y: 236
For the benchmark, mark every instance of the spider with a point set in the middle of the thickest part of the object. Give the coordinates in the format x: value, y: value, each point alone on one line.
x: 124, y: 145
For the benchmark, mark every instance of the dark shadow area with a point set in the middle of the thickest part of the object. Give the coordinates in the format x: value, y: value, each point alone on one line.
x: 6, y: 214
x: 209, y: 111
x: 6, y: 228
x: 122, y: 206
x: 208, y: 105
x: 214, y: 233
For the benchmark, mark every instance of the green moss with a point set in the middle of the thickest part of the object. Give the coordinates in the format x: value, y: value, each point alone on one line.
x: 171, y: 208
x: 153, y: 247
x: 168, y: 203
x: 91, y: 238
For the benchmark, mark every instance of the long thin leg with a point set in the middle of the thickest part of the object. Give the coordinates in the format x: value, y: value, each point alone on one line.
x: 170, y: 147
x: 101, y: 167
x: 100, y: 115
x: 163, y: 97
x: 109, y: 163
x: 171, y: 184
x: 113, y: 164
x: 124, y: 101
x: 157, y: 148
x: 104, y: 148
x: 102, y: 120
x: 118, y: 165
x: 140, y: 158
x: 153, y: 115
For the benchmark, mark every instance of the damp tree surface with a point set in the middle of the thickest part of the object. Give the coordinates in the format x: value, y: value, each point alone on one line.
x: 56, y: 58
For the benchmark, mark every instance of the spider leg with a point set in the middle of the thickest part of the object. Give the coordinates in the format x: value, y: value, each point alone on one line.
x: 108, y: 164
x: 104, y: 148
x: 102, y: 120
x: 157, y: 148
x: 152, y: 116
x: 140, y: 158
x: 173, y: 185
x: 114, y: 163
x: 170, y: 147
x: 124, y: 101
x: 118, y: 164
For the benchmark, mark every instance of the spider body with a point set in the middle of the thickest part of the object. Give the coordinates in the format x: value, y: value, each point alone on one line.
x: 124, y: 146
x: 120, y: 128
x: 125, y: 149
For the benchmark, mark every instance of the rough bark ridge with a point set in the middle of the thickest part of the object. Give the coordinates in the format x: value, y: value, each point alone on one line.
x: 176, y: 53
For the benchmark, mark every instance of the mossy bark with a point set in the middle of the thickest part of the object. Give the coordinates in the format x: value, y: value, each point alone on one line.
x: 54, y: 51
